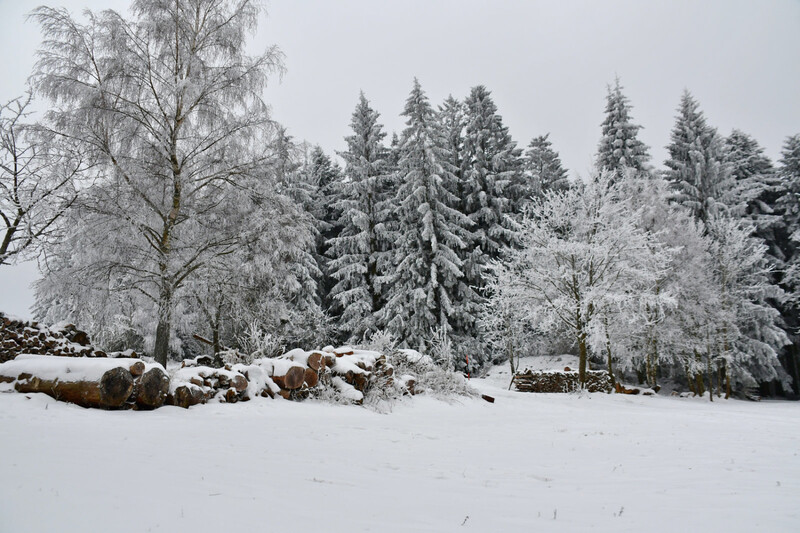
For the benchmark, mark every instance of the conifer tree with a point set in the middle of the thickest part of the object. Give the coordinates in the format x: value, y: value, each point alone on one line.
x: 789, y: 171
x: 492, y: 188
x: 359, y: 252
x: 492, y: 174
x: 323, y: 177
x: 543, y: 167
x: 465, y: 315
x: 451, y: 117
x: 619, y: 146
x: 790, y: 206
x: 422, y: 296
x: 696, y: 166
x: 757, y: 189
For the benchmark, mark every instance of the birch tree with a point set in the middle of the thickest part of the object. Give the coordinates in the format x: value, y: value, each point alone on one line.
x: 168, y: 104
x: 37, y: 182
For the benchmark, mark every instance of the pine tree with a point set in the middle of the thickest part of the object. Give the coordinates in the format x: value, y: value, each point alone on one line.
x: 619, y: 146
x: 696, y: 167
x: 358, y: 254
x: 422, y: 296
x: 543, y: 167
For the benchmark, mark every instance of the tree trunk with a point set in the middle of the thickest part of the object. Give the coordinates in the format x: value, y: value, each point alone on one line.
x: 652, y: 364
x: 727, y: 381
x: 710, y: 378
x: 608, y: 352
x: 111, y: 391
x: 161, y: 348
x: 583, y: 354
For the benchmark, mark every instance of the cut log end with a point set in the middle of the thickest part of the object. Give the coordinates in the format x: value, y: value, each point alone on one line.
x: 152, y: 389
x: 311, y: 377
x: 116, y: 386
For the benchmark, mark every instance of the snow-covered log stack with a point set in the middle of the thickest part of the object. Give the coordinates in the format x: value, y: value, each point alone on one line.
x: 561, y: 381
x: 192, y: 385
x: 293, y: 375
x: 89, y: 382
x: 22, y: 336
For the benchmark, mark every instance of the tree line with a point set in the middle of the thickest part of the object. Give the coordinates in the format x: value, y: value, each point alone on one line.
x: 163, y: 202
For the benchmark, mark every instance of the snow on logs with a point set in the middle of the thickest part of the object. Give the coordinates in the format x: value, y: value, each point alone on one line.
x: 293, y: 375
x: 558, y: 381
x: 192, y: 385
x: 22, y: 336
x: 89, y: 382
x: 60, y: 361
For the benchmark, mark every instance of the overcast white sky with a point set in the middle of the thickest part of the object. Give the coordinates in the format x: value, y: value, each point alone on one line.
x: 546, y: 63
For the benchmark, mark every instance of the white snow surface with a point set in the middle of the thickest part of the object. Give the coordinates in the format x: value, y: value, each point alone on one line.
x: 528, y: 462
x: 67, y: 369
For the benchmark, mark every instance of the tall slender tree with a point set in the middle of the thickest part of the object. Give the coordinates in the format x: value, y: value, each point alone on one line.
x: 431, y: 231
x: 789, y: 172
x: 619, y: 146
x: 697, y: 169
x: 757, y: 189
x: 492, y: 177
x: 543, y: 167
x: 323, y: 177
x: 359, y: 252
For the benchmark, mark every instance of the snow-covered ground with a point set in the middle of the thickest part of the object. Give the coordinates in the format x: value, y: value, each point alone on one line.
x: 525, y: 463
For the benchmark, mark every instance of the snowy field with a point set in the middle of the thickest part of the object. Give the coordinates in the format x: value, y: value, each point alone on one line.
x: 525, y: 463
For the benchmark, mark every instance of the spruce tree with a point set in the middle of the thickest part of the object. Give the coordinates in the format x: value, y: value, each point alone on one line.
x: 543, y: 167
x: 427, y: 268
x: 789, y: 172
x: 697, y: 169
x: 757, y: 189
x: 619, y: 146
x: 323, y: 176
x: 492, y: 177
x: 451, y: 117
x: 358, y: 253
x: 465, y: 336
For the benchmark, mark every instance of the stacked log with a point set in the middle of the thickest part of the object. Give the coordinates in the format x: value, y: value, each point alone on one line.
x: 292, y: 376
x: 22, y: 336
x: 558, y: 381
x: 89, y: 382
x: 194, y: 385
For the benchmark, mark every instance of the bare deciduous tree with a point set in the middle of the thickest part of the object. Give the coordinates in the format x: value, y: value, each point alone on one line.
x: 36, y: 182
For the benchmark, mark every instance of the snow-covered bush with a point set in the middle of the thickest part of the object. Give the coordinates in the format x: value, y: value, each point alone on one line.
x: 259, y: 343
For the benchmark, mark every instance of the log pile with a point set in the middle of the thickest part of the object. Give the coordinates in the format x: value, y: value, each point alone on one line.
x: 292, y: 376
x: 60, y: 361
x: 619, y: 388
x: 194, y: 385
x: 22, y: 336
x: 89, y: 382
x: 558, y: 381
